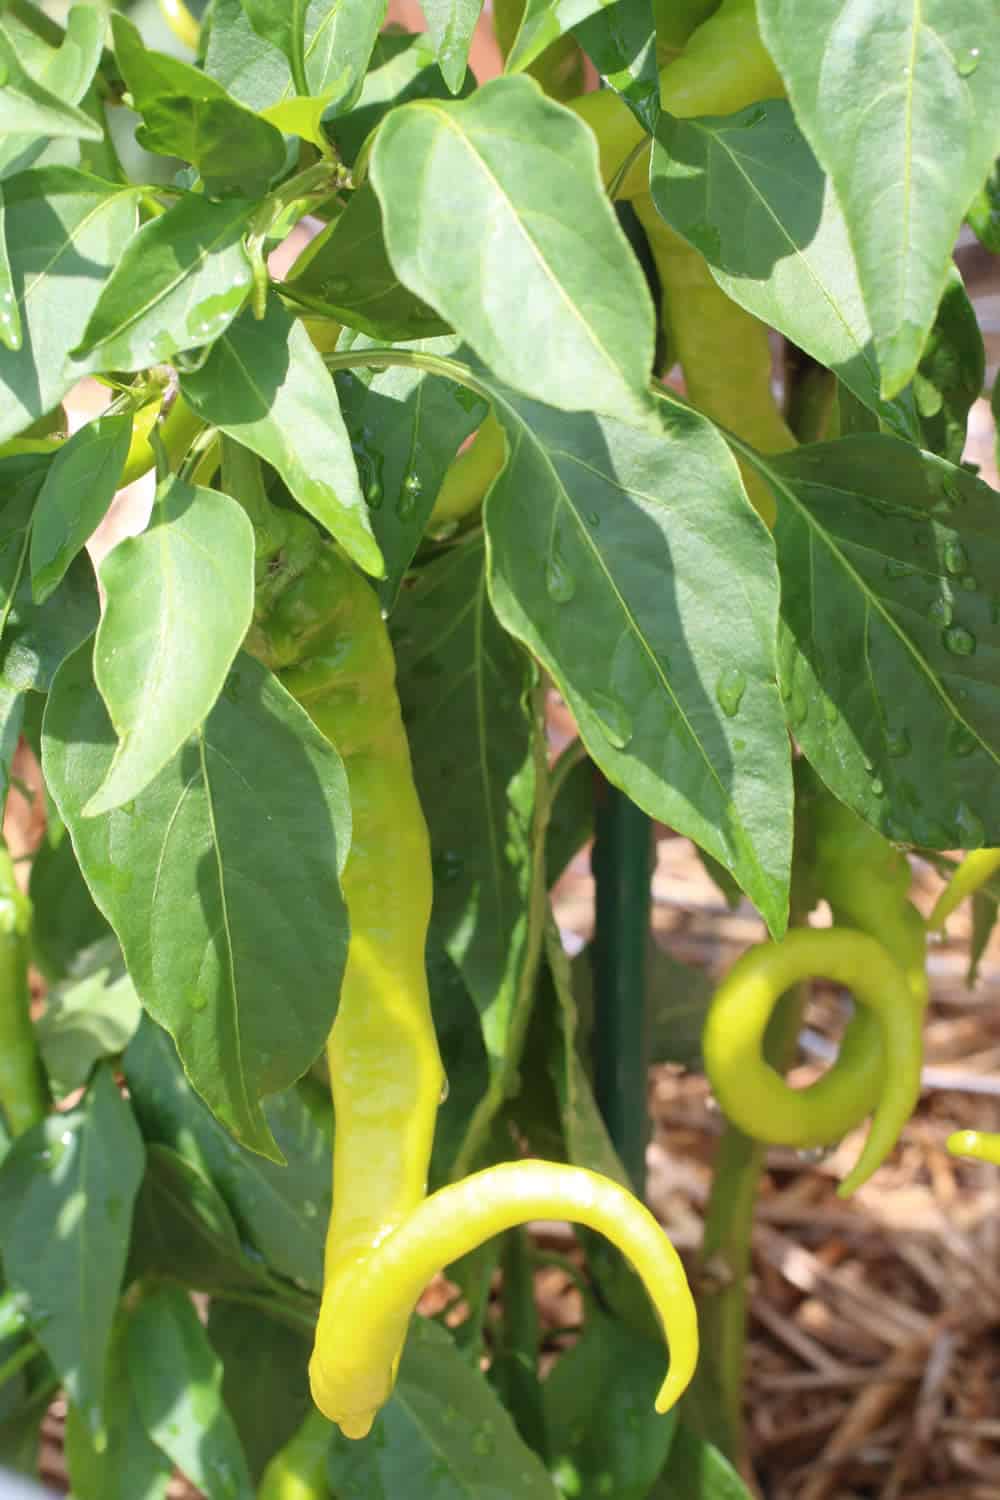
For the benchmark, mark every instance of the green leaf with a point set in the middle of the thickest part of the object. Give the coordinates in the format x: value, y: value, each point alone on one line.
x: 890, y: 571
x: 678, y: 996
x: 218, y: 908
x: 535, y: 272
x: 605, y: 1436
x: 465, y: 691
x: 571, y: 821
x: 29, y: 109
x: 187, y: 114
x: 79, y: 485
x: 65, y: 231
x: 281, y: 1210
x: 951, y: 373
x: 180, y: 282
x: 183, y: 1230
x: 88, y: 1017
x: 463, y: 1055
x: 403, y: 67
x: 179, y: 601
x: 67, y: 1187
x: 283, y: 24
x: 620, y: 40
x: 632, y: 566
x: 266, y: 386
x: 66, y: 923
x: 67, y: 70
x: 443, y: 1435
x: 452, y: 25
x: 35, y: 637
x: 130, y: 1467
x: 698, y: 1471
x: 339, y: 37
x: 346, y: 273
x: 747, y: 191
x: 983, y: 216
x: 901, y: 105
x: 544, y: 22
x: 405, y: 426
x: 264, y: 1385
x: 177, y: 1380
x: 10, y: 313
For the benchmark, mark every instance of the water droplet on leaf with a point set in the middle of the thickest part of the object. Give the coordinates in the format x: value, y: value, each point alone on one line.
x: 560, y: 584
x: 959, y: 641
x: 614, y: 718
x: 968, y: 62
x: 729, y: 690
x: 941, y: 612
x: 956, y: 559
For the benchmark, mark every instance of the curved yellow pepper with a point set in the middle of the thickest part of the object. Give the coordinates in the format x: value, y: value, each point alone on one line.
x: 320, y: 628
x: 981, y: 1144
x: 755, y: 1096
x: 365, y: 1313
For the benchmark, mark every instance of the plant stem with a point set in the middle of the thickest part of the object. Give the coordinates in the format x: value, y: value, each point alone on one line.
x: 23, y: 1093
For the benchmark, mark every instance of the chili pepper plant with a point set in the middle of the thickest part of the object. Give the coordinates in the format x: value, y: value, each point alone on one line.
x: 286, y: 1024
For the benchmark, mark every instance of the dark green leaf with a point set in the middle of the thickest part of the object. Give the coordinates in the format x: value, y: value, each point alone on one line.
x: 281, y: 1210
x: 178, y: 603
x: 890, y: 568
x: 747, y: 191
x: 984, y: 918
x: 79, y: 485
x: 605, y: 1436
x: 535, y: 272
x: 901, y: 105
x: 177, y: 1381
x: 620, y: 41
x: 464, y: 687
x: 283, y: 24
x: 571, y: 821
x: 698, y: 1471
x: 346, y: 272
x: 187, y: 114
x: 130, y: 1467
x: 65, y: 921
x: 984, y: 212
x: 217, y: 908
x: 65, y: 231
x: 444, y: 1435
x: 67, y: 1187
x: 631, y: 564
x: 403, y: 67
x: 406, y: 427
x: 180, y: 282
x: 452, y: 25
x: 264, y: 1384
x: 92, y: 1015
x: 183, y: 1230
x: 463, y: 1054
x: 951, y: 373
x: 266, y: 386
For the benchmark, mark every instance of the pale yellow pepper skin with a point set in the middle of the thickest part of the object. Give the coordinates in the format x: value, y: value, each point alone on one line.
x: 983, y: 1145
x: 365, y: 1313
x: 975, y: 869
x: 756, y: 1097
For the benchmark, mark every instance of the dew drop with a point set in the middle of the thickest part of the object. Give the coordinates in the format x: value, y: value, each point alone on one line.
x: 959, y: 641
x: 729, y: 690
x: 373, y: 494
x: 956, y: 559
x: 941, y: 612
x: 614, y: 718
x: 896, y: 568
x: 968, y: 62
x: 878, y: 790
x: 445, y: 1091
x: 969, y: 583
x: 560, y: 585
x: 199, y: 1000
x: 897, y: 742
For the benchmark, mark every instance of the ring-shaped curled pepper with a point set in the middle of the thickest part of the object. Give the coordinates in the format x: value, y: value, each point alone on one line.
x: 984, y: 1145
x: 756, y: 1097
x: 365, y: 1312
x: 974, y: 871
x: 320, y: 628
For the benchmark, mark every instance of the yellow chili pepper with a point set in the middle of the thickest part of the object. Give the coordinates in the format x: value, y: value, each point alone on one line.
x: 365, y: 1312
x: 469, y: 476
x: 982, y: 1144
x: 975, y: 869
x: 181, y: 22
x: 755, y: 1096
